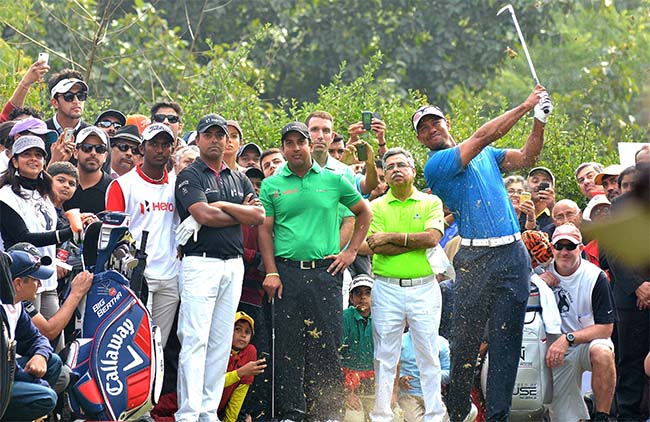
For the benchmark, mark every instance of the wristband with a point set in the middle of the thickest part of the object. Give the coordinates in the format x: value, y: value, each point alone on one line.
x: 382, y: 145
x: 406, y: 239
x: 270, y: 274
x: 56, y: 233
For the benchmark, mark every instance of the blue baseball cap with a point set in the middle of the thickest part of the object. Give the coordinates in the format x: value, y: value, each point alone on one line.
x: 25, y: 264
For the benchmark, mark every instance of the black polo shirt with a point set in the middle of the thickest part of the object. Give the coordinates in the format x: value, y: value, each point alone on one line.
x: 199, y: 183
x: 92, y: 199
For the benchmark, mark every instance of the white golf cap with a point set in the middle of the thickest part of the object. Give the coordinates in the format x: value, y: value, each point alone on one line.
x: 26, y: 142
x: 361, y: 280
x: 593, y: 203
x: 156, y: 128
x: 65, y: 85
x: 91, y: 130
x: 427, y: 110
x: 613, y: 170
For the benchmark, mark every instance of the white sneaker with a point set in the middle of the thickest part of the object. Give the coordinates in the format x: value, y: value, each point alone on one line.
x: 473, y: 413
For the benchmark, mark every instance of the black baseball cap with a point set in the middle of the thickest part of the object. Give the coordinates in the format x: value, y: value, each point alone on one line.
x: 127, y: 133
x: 250, y: 146
x: 111, y: 112
x: 299, y: 127
x: 254, y: 172
x: 209, y: 120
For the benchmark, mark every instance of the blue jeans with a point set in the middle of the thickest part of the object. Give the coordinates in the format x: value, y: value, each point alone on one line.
x: 491, y: 283
x: 30, y: 401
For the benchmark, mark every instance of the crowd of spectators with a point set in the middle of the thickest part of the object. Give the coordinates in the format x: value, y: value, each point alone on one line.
x: 308, y: 281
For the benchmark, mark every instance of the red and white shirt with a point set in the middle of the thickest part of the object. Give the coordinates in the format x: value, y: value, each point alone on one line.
x: 152, y: 207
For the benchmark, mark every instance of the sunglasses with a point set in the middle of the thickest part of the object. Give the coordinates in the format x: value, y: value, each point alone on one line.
x: 125, y: 148
x: 107, y: 123
x: 171, y: 118
x: 88, y: 148
x: 69, y: 96
x: 567, y: 246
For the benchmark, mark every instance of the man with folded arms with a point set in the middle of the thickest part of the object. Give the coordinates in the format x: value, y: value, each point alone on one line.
x: 405, y: 223
x: 219, y: 200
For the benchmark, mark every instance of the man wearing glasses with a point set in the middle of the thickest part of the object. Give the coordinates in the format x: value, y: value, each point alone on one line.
x: 91, y: 149
x: 110, y: 121
x: 169, y: 113
x: 405, y: 223
x: 125, y: 151
x: 586, y: 306
x: 68, y: 93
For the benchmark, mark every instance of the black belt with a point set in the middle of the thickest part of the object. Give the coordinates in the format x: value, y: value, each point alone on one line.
x: 307, y: 265
x: 212, y: 255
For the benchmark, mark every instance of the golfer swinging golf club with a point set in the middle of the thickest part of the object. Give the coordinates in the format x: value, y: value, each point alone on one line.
x: 492, y: 265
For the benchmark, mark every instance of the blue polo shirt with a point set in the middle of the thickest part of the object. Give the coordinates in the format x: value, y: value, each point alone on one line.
x: 475, y: 194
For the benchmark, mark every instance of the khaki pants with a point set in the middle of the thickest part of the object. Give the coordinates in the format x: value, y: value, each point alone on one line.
x: 367, y: 403
x: 413, y: 408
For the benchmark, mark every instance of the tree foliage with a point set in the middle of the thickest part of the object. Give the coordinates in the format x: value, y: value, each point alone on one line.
x: 265, y: 63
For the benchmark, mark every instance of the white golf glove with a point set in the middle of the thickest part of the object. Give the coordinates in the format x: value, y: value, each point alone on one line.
x: 543, y: 108
x: 189, y: 227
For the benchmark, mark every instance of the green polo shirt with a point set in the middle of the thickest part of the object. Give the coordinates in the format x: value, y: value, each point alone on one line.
x: 337, y: 167
x: 417, y: 213
x: 306, y: 212
x: 357, y: 350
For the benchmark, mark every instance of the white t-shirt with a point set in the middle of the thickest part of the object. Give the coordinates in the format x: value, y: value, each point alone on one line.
x: 584, y: 298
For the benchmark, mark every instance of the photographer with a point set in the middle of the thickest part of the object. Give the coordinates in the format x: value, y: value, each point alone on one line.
x: 540, y: 184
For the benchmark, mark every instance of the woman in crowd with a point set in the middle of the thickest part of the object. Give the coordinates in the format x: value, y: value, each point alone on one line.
x: 515, y: 186
x: 28, y: 214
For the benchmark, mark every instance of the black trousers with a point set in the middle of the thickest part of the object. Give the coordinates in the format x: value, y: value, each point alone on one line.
x: 633, y: 345
x: 308, y: 328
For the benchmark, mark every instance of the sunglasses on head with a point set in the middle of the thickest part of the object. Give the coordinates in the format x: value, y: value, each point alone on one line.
x: 160, y: 118
x: 107, y: 123
x: 125, y: 148
x: 568, y: 246
x: 88, y: 148
x: 69, y: 96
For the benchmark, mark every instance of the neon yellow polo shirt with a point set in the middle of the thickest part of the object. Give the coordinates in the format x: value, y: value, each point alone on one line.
x: 417, y: 213
x: 306, y: 211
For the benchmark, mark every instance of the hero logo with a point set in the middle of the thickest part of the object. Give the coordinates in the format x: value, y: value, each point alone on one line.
x: 109, y: 365
x: 147, y: 206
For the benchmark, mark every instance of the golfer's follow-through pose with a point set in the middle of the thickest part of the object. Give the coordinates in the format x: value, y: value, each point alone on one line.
x: 492, y: 265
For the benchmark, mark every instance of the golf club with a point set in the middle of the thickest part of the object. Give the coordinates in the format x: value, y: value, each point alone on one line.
x: 273, y: 358
x: 509, y: 8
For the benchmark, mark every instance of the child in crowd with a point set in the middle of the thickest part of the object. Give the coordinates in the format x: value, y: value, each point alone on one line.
x: 243, y: 365
x: 357, y: 351
x: 410, y: 393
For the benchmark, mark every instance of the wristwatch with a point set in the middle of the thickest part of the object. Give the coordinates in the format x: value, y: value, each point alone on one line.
x: 570, y: 338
